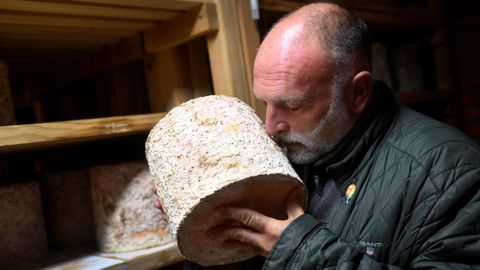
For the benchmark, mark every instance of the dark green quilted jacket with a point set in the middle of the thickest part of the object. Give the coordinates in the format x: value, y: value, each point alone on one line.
x: 416, y: 203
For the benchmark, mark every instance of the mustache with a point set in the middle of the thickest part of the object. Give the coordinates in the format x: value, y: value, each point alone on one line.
x: 284, y: 139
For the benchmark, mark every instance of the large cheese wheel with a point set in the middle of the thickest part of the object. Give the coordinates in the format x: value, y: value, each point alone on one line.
x: 125, y: 218
x: 210, y: 152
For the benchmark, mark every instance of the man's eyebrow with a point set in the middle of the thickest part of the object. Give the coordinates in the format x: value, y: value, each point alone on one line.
x: 288, y: 99
x: 295, y: 99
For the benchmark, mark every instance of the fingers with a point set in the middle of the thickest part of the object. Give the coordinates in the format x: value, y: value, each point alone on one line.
x: 294, y: 203
x: 158, y: 204
x: 247, y: 217
x: 235, y: 237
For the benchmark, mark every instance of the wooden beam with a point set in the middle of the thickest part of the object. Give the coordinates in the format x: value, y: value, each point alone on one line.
x: 163, y: 4
x: 34, y: 136
x: 250, y: 45
x: 199, y: 68
x: 226, y: 54
x: 68, y: 8
x: 21, y: 39
x: 196, y: 22
x: 198, y: 1
x: 44, y: 20
x: 72, y: 45
x: 7, y: 30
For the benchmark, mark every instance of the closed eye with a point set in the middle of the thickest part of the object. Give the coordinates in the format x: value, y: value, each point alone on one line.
x: 292, y: 109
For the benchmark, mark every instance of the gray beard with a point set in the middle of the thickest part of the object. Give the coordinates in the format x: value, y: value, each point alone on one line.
x: 312, y: 145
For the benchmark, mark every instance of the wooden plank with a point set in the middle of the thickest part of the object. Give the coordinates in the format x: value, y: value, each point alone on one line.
x: 163, y: 4
x: 20, y: 39
x: 153, y: 258
x: 283, y: 6
x: 45, y: 54
x: 70, y: 21
x: 33, y: 136
x: 58, y: 31
x: 198, y: 1
x: 194, y: 23
x: 250, y: 45
x: 226, y: 54
x: 76, y: 46
x: 84, y: 10
x: 84, y: 257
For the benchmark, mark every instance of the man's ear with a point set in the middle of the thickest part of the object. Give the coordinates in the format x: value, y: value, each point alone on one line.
x: 360, y: 91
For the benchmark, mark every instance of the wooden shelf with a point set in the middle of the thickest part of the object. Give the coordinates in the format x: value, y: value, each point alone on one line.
x: 151, y: 258
x: 33, y: 136
x: 424, y: 97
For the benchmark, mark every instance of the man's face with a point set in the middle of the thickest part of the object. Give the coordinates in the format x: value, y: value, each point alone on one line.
x: 295, y: 79
x: 307, y: 147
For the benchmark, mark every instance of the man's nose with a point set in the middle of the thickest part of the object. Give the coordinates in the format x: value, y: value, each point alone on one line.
x: 274, y: 123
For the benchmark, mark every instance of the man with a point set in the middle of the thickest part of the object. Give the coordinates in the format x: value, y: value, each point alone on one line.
x: 388, y: 188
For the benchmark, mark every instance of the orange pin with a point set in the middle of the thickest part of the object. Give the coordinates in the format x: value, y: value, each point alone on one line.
x: 349, y: 193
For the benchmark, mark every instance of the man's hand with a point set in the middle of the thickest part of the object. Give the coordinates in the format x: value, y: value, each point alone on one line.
x: 255, y: 229
x: 156, y: 202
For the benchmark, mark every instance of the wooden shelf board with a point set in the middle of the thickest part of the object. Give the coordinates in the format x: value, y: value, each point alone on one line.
x: 69, y: 9
x: 32, y: 136
x: 72, y: 21
x: 163, y: 4
x: 151, y: 258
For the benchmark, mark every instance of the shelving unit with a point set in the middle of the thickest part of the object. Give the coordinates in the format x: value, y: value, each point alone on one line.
x: 43, y: 135
x: 172, y: 50
x: 115, y: 67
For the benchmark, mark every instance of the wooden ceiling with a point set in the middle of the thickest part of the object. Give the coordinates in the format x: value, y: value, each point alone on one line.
x: 50, y: 33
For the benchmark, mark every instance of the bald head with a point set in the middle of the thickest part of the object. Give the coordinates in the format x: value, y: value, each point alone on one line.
x: 338, y: 32
x: 312, y: 73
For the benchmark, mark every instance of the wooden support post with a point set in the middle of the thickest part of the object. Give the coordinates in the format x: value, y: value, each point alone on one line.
x: 41, y: 7
x: 250, y: 44
x: 199, y: 68
x: 226, y: 54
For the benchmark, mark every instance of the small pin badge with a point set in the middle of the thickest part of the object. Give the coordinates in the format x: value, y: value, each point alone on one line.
x: 350, y: 191
x: 370, y: 251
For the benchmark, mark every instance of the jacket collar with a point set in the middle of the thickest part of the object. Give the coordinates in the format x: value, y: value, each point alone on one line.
x: 370, y: 128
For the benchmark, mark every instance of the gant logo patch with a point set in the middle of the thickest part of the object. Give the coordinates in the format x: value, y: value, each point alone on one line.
x: 370, y: 247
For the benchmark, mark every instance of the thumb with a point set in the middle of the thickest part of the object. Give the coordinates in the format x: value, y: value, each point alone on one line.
x: 294, y: 202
